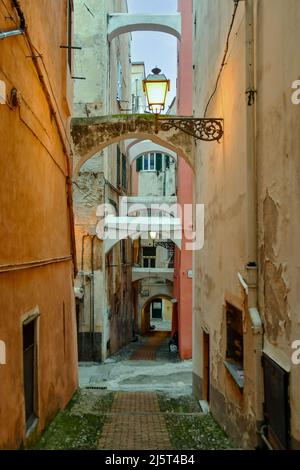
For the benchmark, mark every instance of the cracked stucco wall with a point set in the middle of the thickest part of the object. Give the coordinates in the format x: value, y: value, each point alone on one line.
x: 221, y: 185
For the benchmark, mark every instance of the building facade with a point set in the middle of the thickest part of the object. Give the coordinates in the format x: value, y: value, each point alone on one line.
x: 38, y: 364
x: 103, y: 283
x: 153, y: 268
x: 246, y: 283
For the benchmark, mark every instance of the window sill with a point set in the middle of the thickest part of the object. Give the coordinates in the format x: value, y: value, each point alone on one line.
x: 236, y: 372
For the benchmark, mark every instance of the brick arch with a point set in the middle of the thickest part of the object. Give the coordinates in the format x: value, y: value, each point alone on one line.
x: 91, y: 135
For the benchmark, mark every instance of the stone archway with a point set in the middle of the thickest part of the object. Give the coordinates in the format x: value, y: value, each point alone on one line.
x: 91, y: 135
x: 121, y: 23
x: 145, y: 311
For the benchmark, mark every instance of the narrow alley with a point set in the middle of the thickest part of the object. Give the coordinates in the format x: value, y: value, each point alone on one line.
x: 138, y: 399
x: 149, y: 226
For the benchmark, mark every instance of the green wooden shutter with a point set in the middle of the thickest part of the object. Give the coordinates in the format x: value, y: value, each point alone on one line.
x: 139, y: 164
x: 118, y: 166
x: 158, y: 162
x: 124, y: 172
x: 167, y: 160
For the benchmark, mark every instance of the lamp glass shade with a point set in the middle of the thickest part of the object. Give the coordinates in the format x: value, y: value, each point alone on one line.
x: 153, y: 235
x: 156, y: 87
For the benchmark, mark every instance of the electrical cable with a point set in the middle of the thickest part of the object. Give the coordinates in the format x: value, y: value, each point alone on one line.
x: 236, y: 4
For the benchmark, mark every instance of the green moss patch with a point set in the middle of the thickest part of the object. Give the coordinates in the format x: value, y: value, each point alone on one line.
x: 79, y: 426
x: 196, y: 433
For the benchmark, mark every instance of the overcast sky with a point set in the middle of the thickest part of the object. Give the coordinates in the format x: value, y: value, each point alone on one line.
x: 155, y: 49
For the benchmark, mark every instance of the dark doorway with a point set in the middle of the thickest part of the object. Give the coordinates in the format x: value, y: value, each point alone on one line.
x: 206, y: 369
x: 276, y: 403
x: 157, y: 309
x: 29, y: 360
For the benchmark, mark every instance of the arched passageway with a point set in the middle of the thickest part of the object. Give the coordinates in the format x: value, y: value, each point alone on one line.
x: 156, y: 314
x: 91, y: 135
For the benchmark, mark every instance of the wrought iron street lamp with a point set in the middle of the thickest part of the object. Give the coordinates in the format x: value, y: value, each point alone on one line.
x: 156, y: 87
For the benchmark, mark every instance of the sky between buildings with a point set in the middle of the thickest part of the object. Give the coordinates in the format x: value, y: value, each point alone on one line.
x: 155, y: 49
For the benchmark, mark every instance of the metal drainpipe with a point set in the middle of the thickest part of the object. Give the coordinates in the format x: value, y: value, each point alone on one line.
x: 20, y: 30
x: 252, y: 198
x: 92, y: 298
x: 8, y: 34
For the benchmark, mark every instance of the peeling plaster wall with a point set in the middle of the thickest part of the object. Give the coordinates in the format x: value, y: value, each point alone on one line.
x: 221, y: 185
x: 278, y: 145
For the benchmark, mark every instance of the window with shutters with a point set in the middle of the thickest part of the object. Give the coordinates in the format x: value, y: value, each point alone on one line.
x: 149, y: 257
x: 152, y: 162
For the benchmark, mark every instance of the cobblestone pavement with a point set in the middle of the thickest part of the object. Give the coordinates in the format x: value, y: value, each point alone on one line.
x: 97, y: 419
x: 148, y: 350
x: 136, y: 425
x: 138, y: 399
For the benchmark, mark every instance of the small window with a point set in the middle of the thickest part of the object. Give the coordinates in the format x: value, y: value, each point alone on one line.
x: 235, y: 348
x: 153, y: 162
x: 149, y: 257
x: 234, y: 322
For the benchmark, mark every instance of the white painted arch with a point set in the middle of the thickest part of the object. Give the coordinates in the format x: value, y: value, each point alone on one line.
x: 147, y: 146
x: 138, y: 274
x: 121, y: 23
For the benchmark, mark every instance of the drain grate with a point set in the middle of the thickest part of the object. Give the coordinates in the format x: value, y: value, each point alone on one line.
x: 95, y: 388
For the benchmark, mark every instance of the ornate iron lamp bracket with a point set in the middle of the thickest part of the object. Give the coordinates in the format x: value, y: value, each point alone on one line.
x: 207, y: 129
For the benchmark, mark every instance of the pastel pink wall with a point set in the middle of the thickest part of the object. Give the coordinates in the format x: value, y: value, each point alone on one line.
x: 182, y: 314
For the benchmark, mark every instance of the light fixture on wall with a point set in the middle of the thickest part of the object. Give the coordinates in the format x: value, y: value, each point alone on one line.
x: 153, y: 235
x: 156, y: 87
